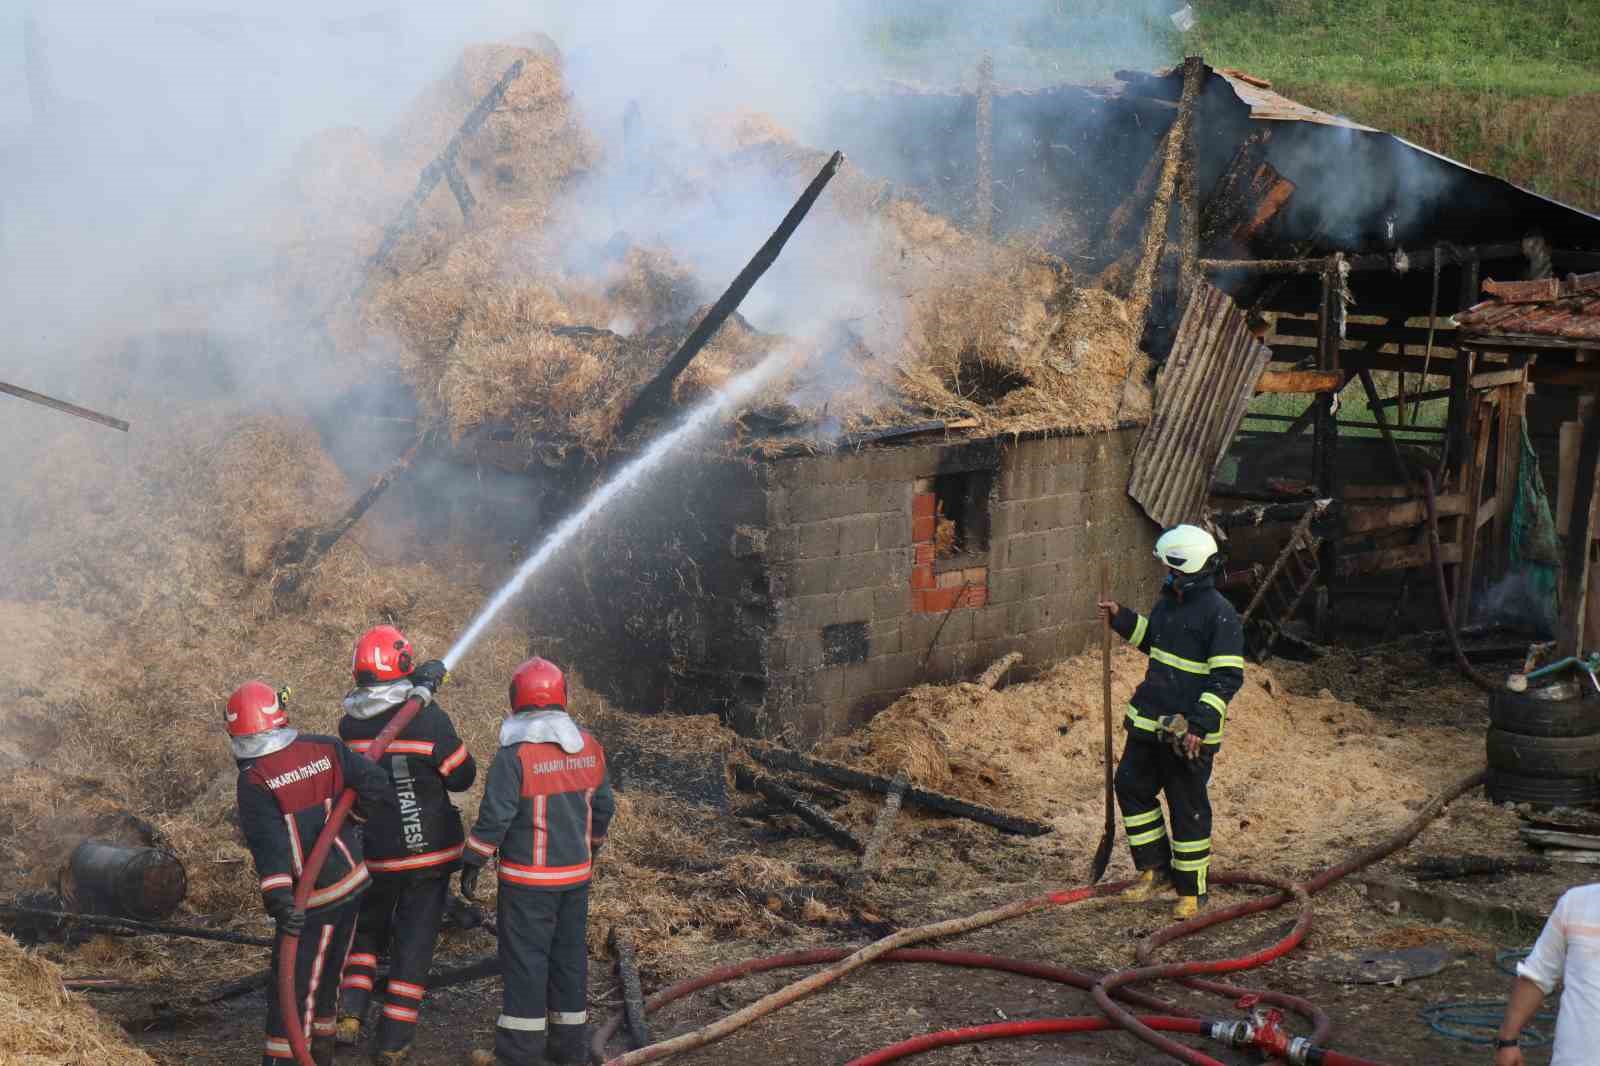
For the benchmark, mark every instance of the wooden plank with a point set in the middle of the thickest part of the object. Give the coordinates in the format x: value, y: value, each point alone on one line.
x: 1487, y: 510
x: 1551, y: 838
x: 1567, y: 478
x: 1405, y: 557
x: 1364, y: 332
x: 1399, y: 515
x: 1280, y: 381
x: 1508, y: 469
x: 1472, y: 475
x: 1497, y: 378
x: 1580, y: 531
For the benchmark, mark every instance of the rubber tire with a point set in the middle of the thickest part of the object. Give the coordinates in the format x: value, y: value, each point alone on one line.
x: 1505, y: 787
x: 1543, y: 756
x: 1517, y: 712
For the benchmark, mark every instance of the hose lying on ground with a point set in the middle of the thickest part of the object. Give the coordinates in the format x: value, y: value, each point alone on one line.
x: 1108, y: 988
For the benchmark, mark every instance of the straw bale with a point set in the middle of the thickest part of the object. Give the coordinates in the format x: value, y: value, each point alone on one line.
x: 42, y: 1024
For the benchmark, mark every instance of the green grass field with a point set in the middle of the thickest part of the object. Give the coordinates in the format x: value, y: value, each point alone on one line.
x: 1509, y: 86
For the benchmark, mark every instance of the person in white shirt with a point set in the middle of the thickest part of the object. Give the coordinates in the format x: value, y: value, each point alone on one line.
x: 1567, y: 952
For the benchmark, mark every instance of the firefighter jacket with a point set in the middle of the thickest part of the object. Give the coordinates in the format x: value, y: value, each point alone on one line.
x: 546, y: 805
x: 284, y: 801
x: 1196, y: 647
x: 421, y: 834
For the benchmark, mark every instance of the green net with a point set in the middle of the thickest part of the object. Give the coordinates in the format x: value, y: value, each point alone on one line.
x: 1535, y: 551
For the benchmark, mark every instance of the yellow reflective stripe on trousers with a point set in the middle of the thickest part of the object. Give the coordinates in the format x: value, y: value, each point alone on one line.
x: 1191, y: 845
x: 1138, y: 630
x: 1134, y: 821
x: 1196, y: 867
x: 1220, y: 662
x: 1178, y: 662
x: 1149, y: 836
x: 1139, y: 721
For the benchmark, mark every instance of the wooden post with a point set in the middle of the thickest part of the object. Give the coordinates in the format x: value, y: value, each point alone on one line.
x: 1580, y: 532
x: 1325, y: 429
x: 1155, y: 234
x: 1472, y: 482
x: 459, y: 188
x: 1189, y: 209
x: 1508, y: 468
x: 985, y: 208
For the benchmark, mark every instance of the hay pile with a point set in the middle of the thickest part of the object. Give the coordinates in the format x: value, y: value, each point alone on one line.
x: 42, y: 1024
x: 916, y: 318
x: 1298, y: 778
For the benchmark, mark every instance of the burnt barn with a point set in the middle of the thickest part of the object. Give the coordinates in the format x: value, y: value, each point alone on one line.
x: 1187, y: 284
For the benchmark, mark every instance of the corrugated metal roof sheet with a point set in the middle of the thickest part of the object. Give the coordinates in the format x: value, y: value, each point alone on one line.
x: 1267, y: 105
x: 1567, y: 308
x: 1200, y: 400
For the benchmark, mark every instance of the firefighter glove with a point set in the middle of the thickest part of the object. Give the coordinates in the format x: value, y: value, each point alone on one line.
x: 431, y: 675
x: 281, y: 906
x: 469, y: 881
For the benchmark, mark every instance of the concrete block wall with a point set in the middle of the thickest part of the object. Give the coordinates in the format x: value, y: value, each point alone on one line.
x: 855, y: 622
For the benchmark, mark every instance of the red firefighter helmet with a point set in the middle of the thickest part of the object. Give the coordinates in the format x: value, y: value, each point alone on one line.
x: 254, y: 708
x: 382, y: 654
x: 537, y: 684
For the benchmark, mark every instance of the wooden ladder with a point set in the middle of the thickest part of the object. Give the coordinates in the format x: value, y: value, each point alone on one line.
x: 1280, y: 593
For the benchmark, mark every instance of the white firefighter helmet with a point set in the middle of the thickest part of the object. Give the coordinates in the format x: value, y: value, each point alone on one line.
x: 1187, y: 549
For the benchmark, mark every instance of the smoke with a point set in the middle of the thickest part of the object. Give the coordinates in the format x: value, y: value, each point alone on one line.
x: 1522, y: 599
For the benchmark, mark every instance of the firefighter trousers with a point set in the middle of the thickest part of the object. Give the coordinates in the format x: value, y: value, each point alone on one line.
x: 324, y: 943
x: 544, y: 962
x: 400, y: 917
x: 1148, y: 769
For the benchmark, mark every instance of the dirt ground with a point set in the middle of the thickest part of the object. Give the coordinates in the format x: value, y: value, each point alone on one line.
x: 939, y: 869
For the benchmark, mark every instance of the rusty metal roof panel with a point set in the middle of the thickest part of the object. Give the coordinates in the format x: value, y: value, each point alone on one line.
x: 1266, y: 105
x: 1567, y: 308
x: 1200, y: 400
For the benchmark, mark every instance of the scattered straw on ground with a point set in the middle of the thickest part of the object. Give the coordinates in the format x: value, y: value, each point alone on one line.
x: 41, y: 1024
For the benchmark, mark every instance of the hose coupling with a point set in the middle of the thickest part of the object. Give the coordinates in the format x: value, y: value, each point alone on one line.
x: 1241, y: 1034
x: 1301, y: 1052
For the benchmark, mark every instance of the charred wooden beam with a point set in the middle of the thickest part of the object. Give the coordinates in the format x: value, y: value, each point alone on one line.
x: 882, y: 827
x: 442, y: 166
x: 784, y: 759
x: 460, y: 189
x: 658, y: 391
x: 985, y: 205
x: 1277, y: 512
x: 1402, y: 558
x: 1367, y: 262
x: 633, y: 1010
x: 129, y: 926
x: 63, y: 406
x: 1155, y: 234
x: 297, y: 554
x: 1292, y: 381
x: 1188, y: 206
x: 787, y: 800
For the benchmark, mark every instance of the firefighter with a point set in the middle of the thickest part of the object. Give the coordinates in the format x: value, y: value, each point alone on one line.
x: 288, y: 781
x: 1174, y: 722
x: 412, y: 847
x: 545, y: 810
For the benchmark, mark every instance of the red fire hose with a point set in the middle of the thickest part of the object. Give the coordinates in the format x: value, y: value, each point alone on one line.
x: 1261, y: 1034
x: 308, y: 879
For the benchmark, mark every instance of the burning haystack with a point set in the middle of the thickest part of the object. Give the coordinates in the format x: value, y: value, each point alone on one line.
x: 518, y: 311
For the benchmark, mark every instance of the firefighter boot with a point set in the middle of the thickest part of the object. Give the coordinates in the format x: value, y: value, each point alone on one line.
x: 1187, y: 907
x: 323, y: 1049
x: 392, y: 1058
x: 1148, y: 885
x: 349, y: 1031
x: 569, y: 1044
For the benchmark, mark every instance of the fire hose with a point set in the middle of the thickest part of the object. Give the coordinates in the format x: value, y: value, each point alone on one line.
x: 1261, y: 1032
x: 297, y: 1030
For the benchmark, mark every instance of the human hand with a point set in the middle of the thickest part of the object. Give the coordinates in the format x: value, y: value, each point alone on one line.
x: 1191, y: 745
x: 1108, y: 609
x: 1509, y: 1056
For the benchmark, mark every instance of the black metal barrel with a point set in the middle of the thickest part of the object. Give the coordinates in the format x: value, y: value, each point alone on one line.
x: 146, y: 884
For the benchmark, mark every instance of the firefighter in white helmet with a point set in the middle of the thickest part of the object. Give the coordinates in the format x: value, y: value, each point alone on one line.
x: 1195, y: 642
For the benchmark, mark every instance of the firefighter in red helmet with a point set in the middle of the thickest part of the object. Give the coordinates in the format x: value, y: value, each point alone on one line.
x: 288, y: 781
x: 412, y: 848
x: 545, y: 810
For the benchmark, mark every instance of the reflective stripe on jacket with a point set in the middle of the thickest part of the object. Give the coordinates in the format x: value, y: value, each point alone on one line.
x: 1196, y: 646
x: 544, y: 811
x: 420, y: 835
x: 284, y: 801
